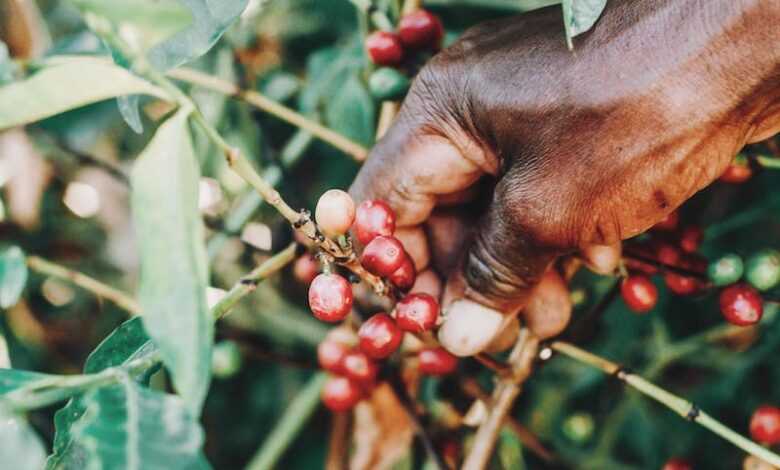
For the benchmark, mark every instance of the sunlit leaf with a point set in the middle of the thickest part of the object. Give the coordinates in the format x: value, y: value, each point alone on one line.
x: 12, y: 379
x: 580, y: 15
x: 13, y: 276
x: 352, y: 112
x: 20, y: 447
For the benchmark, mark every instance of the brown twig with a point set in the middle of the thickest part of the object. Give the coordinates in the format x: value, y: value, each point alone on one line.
x: 337, y: 445
x: 668, y: 267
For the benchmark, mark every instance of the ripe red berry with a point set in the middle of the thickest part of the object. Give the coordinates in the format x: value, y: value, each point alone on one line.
x: 331, y: 354
x: 330, y: 297
x: 690, y: 238
x: 335, y: 212
x: 383, y: 255
x: 741, y: 305
x: 306, y: 268
x: 765, y: 425
x: 421, y: 29
x: 359, y: 367
x: 384, y: 48
x: 437, y: 361
x: 341, y: 393
x: 404, y: 277
x: 677, y: 464
x: 417, y: 313
x: 681, y: 285
x: 669, y: 224
x: 639, y: 293
x: 738, y: 171
x: 667, y: 253
x: 379, y: 336
x: 373, y: 218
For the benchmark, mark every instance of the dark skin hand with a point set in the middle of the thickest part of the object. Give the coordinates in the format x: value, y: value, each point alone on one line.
x: 582, y: 149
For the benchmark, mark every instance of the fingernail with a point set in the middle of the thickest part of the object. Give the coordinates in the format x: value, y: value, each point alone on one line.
x: 469, y: 327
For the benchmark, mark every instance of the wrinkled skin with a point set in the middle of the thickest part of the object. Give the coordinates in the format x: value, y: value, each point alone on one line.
x: 580, y: 149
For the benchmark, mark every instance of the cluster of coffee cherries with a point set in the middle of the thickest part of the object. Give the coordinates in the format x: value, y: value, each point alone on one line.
x: 353, y: 359
x: 420, y: 30
x: 674, y: 246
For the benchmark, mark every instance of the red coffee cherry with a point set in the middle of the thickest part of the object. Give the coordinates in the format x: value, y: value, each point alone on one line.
x: 373, y: 218
x: 331, y: 354
x: 359, y: 367
x: 738, y: 171
x: 341, y: 393
x: 417, y: 313
x: 404, y: 277
x: 741, y: 305
x: 437, y: 361
x: 383, y: 255
x: 330, y: 297
x: 379, y: 336
x: 691, y: 238
x: 639, y: 293
x: 668, y: 254
x: 765, y: 425
x: 669, y: 224
x: 677, y: 464
x: 681, y: 285
x: 335, y: 212
x: 421, y: 29
x: 384, y: 48
x: 306, y: 268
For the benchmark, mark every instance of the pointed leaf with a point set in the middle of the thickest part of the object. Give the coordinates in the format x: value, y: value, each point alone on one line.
x: 352, y: 112
x: 128, y: 342
x: 174, y: 274
x: 12, y: 379
x: 20, y: 446
x: 580, y: 15
x: 63, y: 85
x: 13, y: 276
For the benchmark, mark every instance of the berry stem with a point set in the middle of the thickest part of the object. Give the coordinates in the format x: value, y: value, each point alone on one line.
x: 668, y: 267
x: 679, y: 405
x: 768, y: 162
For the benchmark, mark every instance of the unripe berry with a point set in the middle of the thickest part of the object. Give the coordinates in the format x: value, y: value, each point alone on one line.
x: 639, y: 293
x: 690, y: 238
x: 384, y: 48
x: 669, y: 223
x: 403, y: 278
x: 335, y: 212
x: 417, y: 313
x: 359, y: 367
x: 677, y: 464
x: 762, y: 270
x: 306, y: 268
x: 738, y: 171
x: 341, y: 393
x: 765, y: 425
x: 386, y: 83
x: 437, y: 361
x: 726, y: 270
x: 421, y: 29
x: 330, y: 297
x: 373, y: 218
x: 331, y: 354
x: 225, y: 359
x: 383, y: 255
x: 579, y: 427
x: 379, y: 336
x: 741, y: 305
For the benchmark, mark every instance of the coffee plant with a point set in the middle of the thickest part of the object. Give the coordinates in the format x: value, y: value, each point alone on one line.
x: 183, y: 283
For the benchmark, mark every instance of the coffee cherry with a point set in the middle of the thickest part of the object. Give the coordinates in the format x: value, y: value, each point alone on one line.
x: 359, y: 367
x: 386, y: 83
x: 691, y: 238
x: 417, y: 313
x: 667, y: 254
x: 421, y: 29
x: 331, y: 354
x: 669, y: 223
x: 306, y: 268
x: 335, y: 212
x: 681, y: 285
x: 384, y: 48
x: 579, y: 427
x: 404, y: 277
x: 765, y: 425
x: 437, y: 361
x: 373, y: 218
x: 379, y: 336
x: 639, y: 293
x: 725, y: 270
x: 330, y: 297
x: 225, y: 359
x: 738, y: 171
x: 741, y: 305
x: 677, y: 464
x: 762, y: 270
x: 383, y: 255
x: 341, y: 393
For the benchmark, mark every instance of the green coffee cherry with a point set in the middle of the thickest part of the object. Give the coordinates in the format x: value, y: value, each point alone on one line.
x: 388, y: 84
x: 726, y: 270
x: 579, y: 427
x: 226, y: 359
x: 762, y: 270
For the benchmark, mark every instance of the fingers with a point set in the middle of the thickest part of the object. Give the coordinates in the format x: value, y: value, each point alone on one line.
x: 602, y: 259
x: 549, y: 306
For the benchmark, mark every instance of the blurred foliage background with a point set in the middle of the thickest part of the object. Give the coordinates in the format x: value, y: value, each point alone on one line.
x: 65, y: 197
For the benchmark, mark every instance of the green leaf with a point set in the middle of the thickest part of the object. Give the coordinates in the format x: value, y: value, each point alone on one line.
x: 11, y: 379
x: 129, y: 427
x: 174, y: 271
x: 352, y: 112
x: 510, y: 451
x: 67, y: 454
x: 63, y: 85
x: 13, y: 276
x: 580, y: 15
x: 126, y: 343
x: 7, y: 67
x: 20, y: 446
